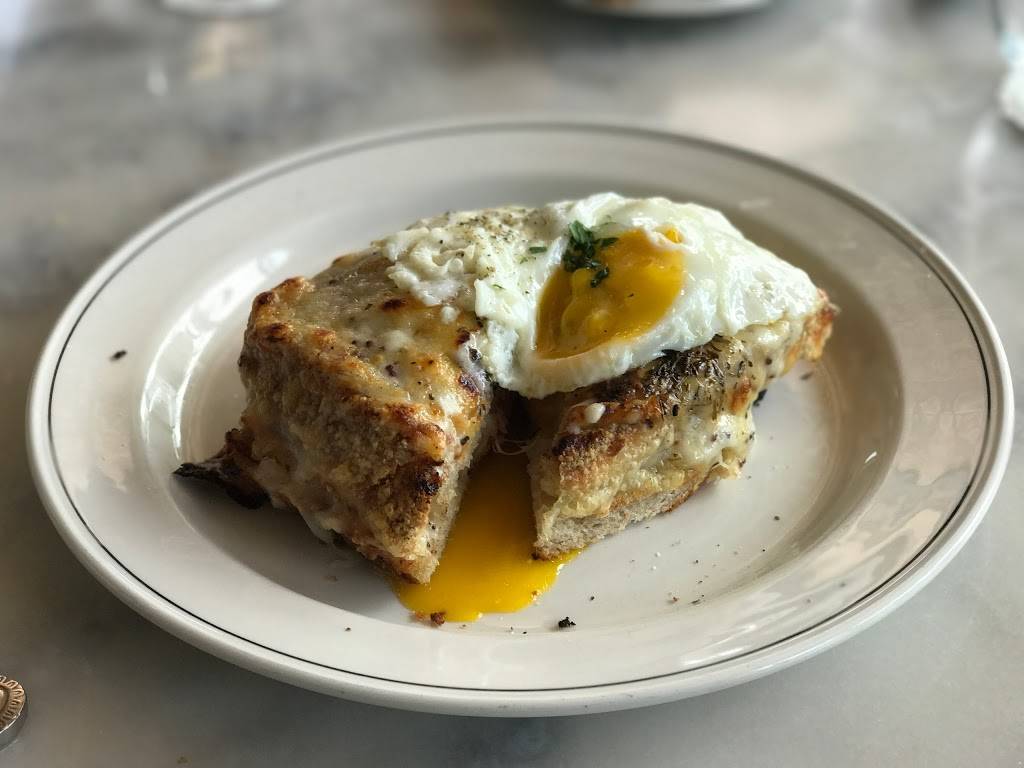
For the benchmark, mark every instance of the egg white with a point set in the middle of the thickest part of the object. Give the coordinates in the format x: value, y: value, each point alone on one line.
x: 490, y: 262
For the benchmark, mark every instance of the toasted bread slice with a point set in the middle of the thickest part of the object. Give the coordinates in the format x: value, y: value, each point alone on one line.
x: 638, y: 445
x: 364, y: 411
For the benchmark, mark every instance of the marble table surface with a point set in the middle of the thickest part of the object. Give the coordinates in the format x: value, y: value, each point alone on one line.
x: 112, y: 111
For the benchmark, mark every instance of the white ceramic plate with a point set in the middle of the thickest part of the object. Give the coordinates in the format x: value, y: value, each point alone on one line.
x: 865, y: 479
x: 665, y: 9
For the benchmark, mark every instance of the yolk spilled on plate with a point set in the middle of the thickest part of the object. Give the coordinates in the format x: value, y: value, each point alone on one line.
x: 487, y: 565
x: 644, y: 279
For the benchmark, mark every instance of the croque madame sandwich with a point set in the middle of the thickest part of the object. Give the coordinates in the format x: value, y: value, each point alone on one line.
x: 633, y: 335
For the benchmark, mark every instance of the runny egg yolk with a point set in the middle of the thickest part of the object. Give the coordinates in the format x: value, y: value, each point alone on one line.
x: 487, y: 565
x: 645, y: 276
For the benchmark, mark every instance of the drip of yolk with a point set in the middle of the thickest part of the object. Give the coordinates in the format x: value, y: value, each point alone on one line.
x: 487, y: 565
x: 645, y: 277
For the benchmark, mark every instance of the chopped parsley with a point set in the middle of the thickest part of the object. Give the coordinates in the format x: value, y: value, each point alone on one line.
x: 538, y: 248
x: 582, y: 252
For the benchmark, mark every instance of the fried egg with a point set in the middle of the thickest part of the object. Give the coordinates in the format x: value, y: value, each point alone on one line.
x: 578, y: 292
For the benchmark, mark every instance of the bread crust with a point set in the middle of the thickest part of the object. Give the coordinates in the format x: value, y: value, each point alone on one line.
x: 640, y: 444
x: 366, y: 409
x: 360, y: 413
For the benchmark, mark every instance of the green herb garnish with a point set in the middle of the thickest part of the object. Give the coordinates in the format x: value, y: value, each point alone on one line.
x: 582, y: 251
x: 599, y: 275
x: 538, y: 248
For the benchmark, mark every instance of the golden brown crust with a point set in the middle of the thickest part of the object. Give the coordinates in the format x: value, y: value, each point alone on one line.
x: 358, y: 413
x: 365, y: 411
x: 659, y: 431
x: 229, y: 468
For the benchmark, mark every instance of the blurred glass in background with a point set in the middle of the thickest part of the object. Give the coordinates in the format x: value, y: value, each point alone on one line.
x: 1009, y: 18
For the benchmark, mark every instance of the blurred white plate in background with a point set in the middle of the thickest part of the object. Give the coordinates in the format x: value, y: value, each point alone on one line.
x: 667, y: 8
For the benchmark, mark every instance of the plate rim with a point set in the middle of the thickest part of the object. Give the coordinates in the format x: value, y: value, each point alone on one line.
x: 643, y: 11
x: 177, y: 620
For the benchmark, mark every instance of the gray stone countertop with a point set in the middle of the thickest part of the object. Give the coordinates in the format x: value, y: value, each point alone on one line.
x: 113, y: 111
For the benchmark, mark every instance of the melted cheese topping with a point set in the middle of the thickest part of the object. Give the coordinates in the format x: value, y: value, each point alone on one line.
x: 542, y: 330
x: 487, y: 565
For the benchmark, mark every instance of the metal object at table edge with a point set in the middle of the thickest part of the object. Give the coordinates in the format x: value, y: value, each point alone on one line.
x: 12, y: 709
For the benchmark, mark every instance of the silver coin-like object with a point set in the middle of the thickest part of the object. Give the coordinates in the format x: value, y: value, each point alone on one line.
x: 12, y: 709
